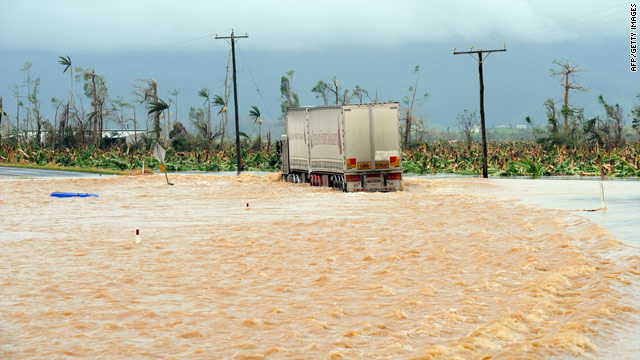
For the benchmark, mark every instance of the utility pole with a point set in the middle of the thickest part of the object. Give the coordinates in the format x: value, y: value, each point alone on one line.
x: 480, y: 60
x: 235, y: 89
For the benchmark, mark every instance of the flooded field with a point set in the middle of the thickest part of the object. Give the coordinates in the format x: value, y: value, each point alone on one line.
x: 250, y: 268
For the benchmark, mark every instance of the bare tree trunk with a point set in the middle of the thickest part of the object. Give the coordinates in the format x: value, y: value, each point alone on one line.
x: 156, y: 119
x: 28, y: 125
x: 407, y: 130
x: 227, y: 93
x: 100, y: 133
x: 269, y: 141
x: 18, y: 110
x: 209, y: 124
x: 566, y: 104
x: 39, y: 127
x: 95, y: 108
x: 63, y: 123
x: 55, y: 127
x: 135, y: 127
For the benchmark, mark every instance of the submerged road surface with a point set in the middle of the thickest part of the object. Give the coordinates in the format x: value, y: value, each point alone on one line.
x: 26, y: 173
x: 247, y: 267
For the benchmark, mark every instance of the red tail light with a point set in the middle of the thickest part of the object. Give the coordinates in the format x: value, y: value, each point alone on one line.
x: 353, y: 177
x: 394, y: 176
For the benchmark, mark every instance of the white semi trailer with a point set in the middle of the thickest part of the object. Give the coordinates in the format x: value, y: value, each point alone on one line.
x: 350, y: 147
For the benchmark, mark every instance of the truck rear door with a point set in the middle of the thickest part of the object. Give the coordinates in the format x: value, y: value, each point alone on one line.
x: 357, y: 138
x: 386, y: 147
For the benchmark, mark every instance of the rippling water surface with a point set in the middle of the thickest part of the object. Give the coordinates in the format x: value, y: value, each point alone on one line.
x: 250, y: 268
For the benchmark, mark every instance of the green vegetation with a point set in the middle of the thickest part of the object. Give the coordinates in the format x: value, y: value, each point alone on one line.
x: 568, y: 143
x: 92, y: 158
x: 522, y: 158
x: 443, y: 157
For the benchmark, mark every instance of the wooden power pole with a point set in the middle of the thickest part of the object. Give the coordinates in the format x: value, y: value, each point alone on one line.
x: 480, y: 60
x: 235, y: 90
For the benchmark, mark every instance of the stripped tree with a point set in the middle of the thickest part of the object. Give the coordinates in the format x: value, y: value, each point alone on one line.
x: 411, y: 102
x: 567, y: 74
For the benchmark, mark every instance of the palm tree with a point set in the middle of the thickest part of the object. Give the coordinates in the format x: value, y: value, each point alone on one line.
x: 206, y: 95
x: 66, y: 62
x: 96, y: 89
x: 147, y: 95
x: 254, y: 114
x: 157, y: 107
x: 219, y: 101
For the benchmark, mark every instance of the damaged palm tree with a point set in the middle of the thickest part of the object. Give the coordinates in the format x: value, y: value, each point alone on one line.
x: 206, y: 95
x: 254, y: 114
x: 149, y: 95
x: 95, y: 89
x: 156, y: 107
x: 68, y: 67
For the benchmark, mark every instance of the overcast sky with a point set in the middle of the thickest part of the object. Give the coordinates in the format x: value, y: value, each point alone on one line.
x: 99, y: 26
x: 374, y: 44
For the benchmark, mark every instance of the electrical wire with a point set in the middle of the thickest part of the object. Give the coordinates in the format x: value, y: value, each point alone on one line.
x: 568, y: 22
x: 254, y: 82
x: 544, y: 32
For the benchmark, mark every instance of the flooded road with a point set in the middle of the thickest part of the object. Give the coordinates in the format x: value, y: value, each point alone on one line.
x: 249, y: 268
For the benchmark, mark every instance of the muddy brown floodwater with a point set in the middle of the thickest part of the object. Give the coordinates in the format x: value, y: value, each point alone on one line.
x: 249, y: 268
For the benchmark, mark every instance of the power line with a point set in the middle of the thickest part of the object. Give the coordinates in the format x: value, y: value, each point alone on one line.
x: 569, y: 21
x: 255, y: 84
x: 544, y: 31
